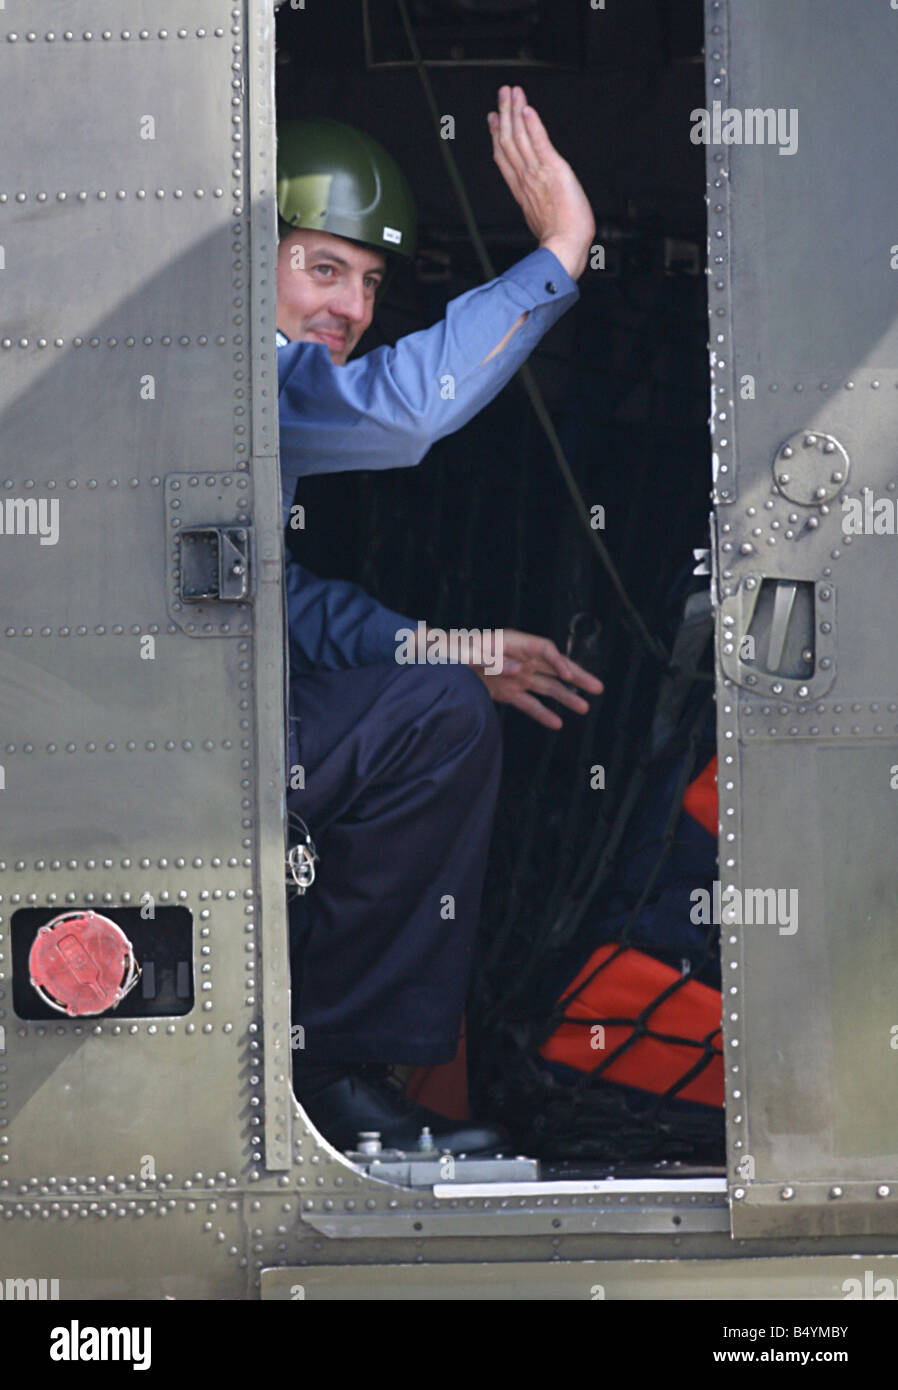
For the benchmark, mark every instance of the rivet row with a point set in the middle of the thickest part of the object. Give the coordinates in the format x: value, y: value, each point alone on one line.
x: 106, y: 35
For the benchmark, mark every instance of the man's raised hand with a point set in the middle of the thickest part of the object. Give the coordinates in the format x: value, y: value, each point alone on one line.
x: 543, y: 184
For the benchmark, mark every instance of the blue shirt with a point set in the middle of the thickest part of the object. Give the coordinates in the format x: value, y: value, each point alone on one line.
x: 385, y: 410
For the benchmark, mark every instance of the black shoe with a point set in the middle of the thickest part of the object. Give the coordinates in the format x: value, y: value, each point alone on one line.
x: 355, y: 1104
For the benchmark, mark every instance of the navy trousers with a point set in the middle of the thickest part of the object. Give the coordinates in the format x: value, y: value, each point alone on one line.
x: 401, y: 767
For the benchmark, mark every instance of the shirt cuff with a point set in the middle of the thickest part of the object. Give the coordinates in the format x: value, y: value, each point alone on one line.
x: 543, y: 278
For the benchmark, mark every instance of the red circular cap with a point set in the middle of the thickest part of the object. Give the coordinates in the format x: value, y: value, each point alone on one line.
x: 80, y: 960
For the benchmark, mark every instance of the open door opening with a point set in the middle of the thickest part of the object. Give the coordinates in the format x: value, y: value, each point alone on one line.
x: 592, y: 1028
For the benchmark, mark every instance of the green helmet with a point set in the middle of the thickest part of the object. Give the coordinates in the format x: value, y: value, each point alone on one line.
x: 335, y: 178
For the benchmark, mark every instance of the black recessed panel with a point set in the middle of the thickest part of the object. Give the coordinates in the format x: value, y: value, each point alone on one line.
x: 162, y: 946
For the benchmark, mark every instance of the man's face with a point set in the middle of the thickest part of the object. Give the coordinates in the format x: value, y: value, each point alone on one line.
x: 326, y: 288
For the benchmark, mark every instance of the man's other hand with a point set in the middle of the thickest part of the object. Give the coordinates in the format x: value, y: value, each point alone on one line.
x: 543, y: 184
x: 534, y: 666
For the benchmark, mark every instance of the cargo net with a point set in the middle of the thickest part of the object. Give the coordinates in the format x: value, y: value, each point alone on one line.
x: 594, y: 1024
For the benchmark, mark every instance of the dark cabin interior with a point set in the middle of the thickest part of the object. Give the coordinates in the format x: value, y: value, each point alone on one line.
x: 484, y: 532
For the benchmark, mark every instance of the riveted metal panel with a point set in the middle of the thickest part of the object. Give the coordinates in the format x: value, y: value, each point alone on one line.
x: 139, y: 763
x: 804, y: 358
x: 592, y: 1280
x: 270, y: 689
x: 167, y: 1156
x: 188, y: 1248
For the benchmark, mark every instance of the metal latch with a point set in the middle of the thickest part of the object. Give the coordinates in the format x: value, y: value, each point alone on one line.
x: 215, y: 563
x: 778, y: 636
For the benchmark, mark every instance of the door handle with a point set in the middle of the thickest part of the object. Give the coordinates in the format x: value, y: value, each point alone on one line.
x: 777, y: 636
x: 215, y: 564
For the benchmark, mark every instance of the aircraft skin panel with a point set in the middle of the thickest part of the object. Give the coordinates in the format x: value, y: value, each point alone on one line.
x: 713, y: 1278
x: 150, y: 1156
x: 804, y: 357
x: 142, y: 724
